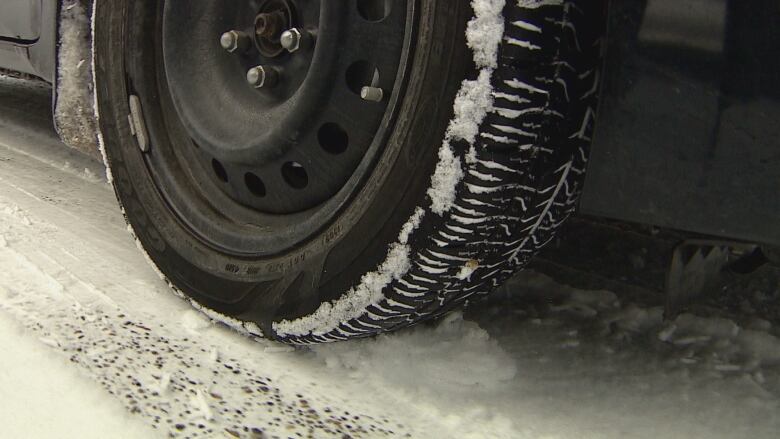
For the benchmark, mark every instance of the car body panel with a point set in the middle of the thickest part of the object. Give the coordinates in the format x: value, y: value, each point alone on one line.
x: 689, y: 131
x: 20, y: 20
x: 28, y: 37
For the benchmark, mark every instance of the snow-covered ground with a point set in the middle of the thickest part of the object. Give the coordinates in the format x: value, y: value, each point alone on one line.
x: 95, y: 345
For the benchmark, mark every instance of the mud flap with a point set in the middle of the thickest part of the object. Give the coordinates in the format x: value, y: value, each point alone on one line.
x: 699, y: 266
x: 74, y: 114
x: 597, y: 254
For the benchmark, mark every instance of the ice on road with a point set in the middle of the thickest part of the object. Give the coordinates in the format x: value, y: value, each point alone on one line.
x: 90, y: 334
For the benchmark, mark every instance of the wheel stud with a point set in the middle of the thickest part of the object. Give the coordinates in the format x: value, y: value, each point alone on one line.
x: 293, y: 40
x: 234, y: 41
x: 372, y: 94
x: 262, y: 77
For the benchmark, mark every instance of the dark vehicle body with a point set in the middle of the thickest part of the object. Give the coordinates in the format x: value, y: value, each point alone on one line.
x: 688, y: 135
x: 688, y: 127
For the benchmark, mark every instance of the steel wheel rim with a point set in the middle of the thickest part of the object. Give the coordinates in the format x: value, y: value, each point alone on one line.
x: 236, y: 226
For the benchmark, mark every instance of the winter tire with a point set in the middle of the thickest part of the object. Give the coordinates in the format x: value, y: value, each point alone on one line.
x: 405, y: 157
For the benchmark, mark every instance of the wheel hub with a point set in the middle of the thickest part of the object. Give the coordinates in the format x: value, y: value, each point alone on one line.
x: 275, y: 17
x: 282, y: 99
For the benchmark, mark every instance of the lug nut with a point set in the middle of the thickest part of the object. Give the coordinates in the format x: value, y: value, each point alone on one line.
x: 261, y: 76
x: 293, y: 39
x: 372, y: 94
x: 234, y: 41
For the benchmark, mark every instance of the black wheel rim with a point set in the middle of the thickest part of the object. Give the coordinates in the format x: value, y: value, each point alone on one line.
x: 257, y: 171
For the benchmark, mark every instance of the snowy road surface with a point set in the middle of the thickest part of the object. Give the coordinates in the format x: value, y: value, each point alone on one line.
x: 93, y: 342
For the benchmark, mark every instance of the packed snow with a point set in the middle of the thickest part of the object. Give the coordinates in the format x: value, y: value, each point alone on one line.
x: 96, y: 344
x: 36, y: 384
